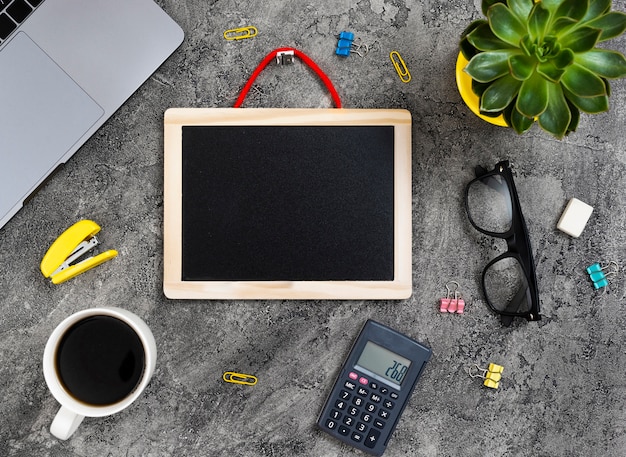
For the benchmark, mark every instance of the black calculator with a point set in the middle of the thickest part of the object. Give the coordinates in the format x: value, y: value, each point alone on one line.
x: 373, y: 388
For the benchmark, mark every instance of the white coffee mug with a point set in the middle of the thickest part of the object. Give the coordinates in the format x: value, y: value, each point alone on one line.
x: 75, y: 407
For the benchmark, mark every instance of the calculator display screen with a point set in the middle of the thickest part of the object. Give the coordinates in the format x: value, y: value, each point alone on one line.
x: 385, y: 364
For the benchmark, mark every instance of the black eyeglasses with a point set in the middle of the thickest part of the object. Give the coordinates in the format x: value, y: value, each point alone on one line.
x: 509, y: 281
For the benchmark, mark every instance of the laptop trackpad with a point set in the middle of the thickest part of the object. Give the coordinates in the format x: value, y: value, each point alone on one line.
x: 44, y: 113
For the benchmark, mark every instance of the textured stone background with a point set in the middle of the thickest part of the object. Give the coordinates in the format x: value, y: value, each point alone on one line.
x: 563, y: 390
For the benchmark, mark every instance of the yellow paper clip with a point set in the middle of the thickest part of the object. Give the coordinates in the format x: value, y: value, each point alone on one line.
x: 241, y: 33
x: 239, y: 378
x: 400, y: 66
x: 67, y: 248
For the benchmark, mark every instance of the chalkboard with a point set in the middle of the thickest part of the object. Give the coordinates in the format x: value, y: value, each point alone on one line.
x: 285, y: 203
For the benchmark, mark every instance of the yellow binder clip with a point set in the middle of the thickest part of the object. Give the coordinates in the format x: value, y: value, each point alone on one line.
x: 491, y: 376
x: 400, y: 66
x: 240, y: 33
x: 58, y: 265
x: 239, y: 378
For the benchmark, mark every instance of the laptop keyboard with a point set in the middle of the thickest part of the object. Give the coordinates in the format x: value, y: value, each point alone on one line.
x: 13, y: 13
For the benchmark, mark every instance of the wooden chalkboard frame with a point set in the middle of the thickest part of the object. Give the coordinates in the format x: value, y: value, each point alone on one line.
x: 175, y: 287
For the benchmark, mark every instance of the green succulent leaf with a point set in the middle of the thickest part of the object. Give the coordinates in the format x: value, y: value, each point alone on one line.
x: 552, y: 5
x: 521, y: 8
x: 550, y: 71
x: 467, y: 49
x: 483, y: 38
x: 538, y: 21
x: 573, y: 124
x: 576, y: 9
x: 506, y: 114
x: 486, y: 4
x: 490, y: 65
x: 499, y: 94
x: 562, y: 25
x: 603, y: 62
x: 557, y: 116
x: 479, y: 88
x: 528, y: 45
x: 492, y: 115
x: 533, y: 96
x: 583, y: 82
x: 563, y: 59
x: 612, y: 24
x: 591, y: 105
x: 473, y: 26
x: 581, y: 39
x: 505, y: 24
x: 522, y: 66
x: 517, y: 120
x: 596, y: 8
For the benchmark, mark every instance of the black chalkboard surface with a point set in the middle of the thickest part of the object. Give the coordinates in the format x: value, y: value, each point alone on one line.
x: 284, y: 203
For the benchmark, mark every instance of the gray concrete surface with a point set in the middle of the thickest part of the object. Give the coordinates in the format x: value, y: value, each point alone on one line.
x: 563, y: 390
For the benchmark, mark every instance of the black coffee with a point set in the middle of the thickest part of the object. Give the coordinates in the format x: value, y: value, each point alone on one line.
x: 100, y: 360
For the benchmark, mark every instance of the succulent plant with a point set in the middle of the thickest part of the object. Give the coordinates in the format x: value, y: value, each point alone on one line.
x: 538, y: 61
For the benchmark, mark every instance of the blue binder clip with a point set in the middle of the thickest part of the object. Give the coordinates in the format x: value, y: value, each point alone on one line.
x: 598, y: 276
x: 345, y: 44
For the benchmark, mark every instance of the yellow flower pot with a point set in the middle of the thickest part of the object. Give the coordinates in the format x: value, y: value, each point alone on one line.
x: 464, y: 83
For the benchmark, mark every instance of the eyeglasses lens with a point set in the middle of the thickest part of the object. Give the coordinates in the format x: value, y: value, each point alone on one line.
x: 506, y: 286
x: 490, y: 207
x: 489, y: 204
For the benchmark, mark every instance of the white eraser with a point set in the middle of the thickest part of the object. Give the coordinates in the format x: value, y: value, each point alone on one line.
x: 575, y: 217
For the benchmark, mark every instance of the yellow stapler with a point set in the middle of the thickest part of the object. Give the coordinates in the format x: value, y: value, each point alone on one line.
x: 72, y: 244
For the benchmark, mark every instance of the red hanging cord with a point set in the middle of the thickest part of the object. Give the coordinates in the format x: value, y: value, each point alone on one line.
x: 306, y: 59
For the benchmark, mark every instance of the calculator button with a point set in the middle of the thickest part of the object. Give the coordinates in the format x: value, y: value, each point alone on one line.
x: 349, y: 385
x: 383, y: 414
x: 366, y: 417
x: 379, y: 424
x: 358, y: 401
x: 372, y: 438
x: 362, y: 392
x: 394, y: 395
x: 340, y: 404
x: 353, y: 411
x: 357, y: 437
x: 374, y: 385
x: 345, y: 395
x: 353, y: 376
x: 361, y: 427
x: 388, y: 404
x: 334, y: 414
x: 375, y: 398
x: 348, y: 421
x: 331, y: 424
x: 343, y: 430
x: 364, y: 381
x: 370, y: 408
x: 384, y: 390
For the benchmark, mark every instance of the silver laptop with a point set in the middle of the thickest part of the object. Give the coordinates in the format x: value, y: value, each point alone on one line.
x: 65, y: 67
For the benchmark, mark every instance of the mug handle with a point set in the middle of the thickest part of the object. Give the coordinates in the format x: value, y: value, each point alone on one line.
x: 65, y: 423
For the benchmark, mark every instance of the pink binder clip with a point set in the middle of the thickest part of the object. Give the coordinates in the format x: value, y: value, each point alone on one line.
x: 444, y: 303
x: 460, y: 304
x: 457, y: 304
x: 452, y: 305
